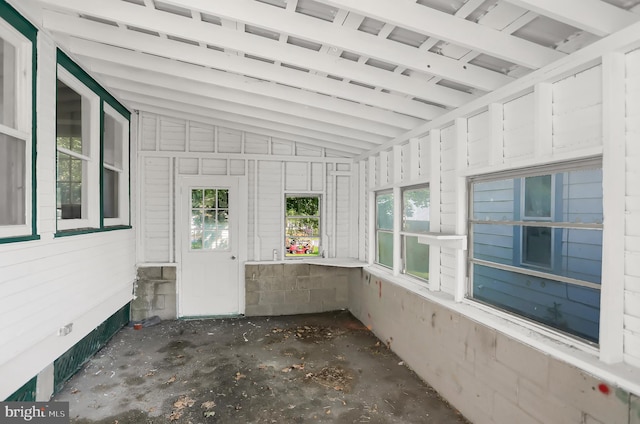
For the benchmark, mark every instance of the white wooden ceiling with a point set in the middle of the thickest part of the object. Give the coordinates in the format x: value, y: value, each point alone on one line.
x: 346, y: 75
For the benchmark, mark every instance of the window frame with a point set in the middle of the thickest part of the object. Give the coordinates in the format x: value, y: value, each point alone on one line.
x: 525, y: 268
x: 288, y: 255
x: 404, y: 234
x: 123, y: 171
x: 378, y: 230
x: 19, y: 32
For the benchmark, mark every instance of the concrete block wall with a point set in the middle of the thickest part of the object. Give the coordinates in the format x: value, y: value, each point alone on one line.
x: 490, y: 377
x: 155, y: 293
x: 290, y: 288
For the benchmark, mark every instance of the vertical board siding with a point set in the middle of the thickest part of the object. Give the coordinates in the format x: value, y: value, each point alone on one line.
x: 155, y: 209
x: 478, y: 138
x: 173, y: 135
x: 632, y: 210
x: 577, y: 111
x: 518, y: 127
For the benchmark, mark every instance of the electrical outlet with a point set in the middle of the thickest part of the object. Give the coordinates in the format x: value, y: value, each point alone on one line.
x: 63, y: 331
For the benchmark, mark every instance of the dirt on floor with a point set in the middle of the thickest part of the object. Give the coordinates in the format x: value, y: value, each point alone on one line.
x: 295, y: 369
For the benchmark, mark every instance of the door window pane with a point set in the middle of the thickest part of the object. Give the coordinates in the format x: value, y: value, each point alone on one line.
x: 209, y: 222
x: 12, y: 181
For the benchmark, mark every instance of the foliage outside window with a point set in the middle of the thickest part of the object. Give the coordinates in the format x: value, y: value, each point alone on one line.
x: 384, y: 228
x: 536, y: 246
x: 302, y: 225
x: 415, y: 219
x: 210, y: 219
x: 17, y: 92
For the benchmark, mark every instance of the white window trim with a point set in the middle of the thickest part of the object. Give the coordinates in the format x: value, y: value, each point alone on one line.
x: 23, y: 122
x: 91, y: 188
x: 123, y: 171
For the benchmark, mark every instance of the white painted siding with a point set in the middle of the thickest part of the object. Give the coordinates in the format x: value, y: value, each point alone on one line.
x: 173, y: 135
x: 478, y: 138
x: 518, y: 126
x: 155, y: 208
x: 577, y: 111
x: 270, y: 207
x: 632, y: 210
x: 54, y: 281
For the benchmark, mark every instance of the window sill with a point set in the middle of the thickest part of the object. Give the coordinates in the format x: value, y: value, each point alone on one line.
x: 80, y: 231
x: 337, y: 262
x: 18, y: 239
x: 561, y: 347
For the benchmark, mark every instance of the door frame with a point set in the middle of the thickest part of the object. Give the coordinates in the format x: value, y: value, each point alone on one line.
x: 179, y: 228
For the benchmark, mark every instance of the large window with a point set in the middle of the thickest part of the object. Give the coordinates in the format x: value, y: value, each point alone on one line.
x: 384, y: 228
x: 536, y: 245
x: 415, y: 220
x: 302, y: 225
x: 92, y: 143
x: 17, y: 76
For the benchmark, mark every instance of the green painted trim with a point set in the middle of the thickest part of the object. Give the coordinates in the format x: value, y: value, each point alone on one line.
x: 26, y: 393
x: 18, y: 21
x: 19, y: 238
x: 101, y: 176
x: 80, y: 231
x: 87, y: 80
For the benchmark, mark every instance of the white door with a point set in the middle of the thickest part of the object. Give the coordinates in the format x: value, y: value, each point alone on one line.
x: 209, y: 283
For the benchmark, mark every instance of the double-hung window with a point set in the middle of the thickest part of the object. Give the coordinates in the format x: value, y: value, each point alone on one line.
x: 384, y: 228
x: 17, y: 97
x: 415, y: 221
x: 302, y: 225
x: 92, y: 144
x: 536, y: 245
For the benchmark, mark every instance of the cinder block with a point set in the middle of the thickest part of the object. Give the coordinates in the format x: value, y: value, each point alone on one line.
x: 342, y: 294
x: 165, y: 288
x: 335, y: 281
x: 544, y: 406
x: 272, y: 298
x: 170, y: 308
x: 530, y: 363
x: 290, y: 282
x: 505, y: 411
x: 158, y: 303
x: 258, y: 310
x: 252, y: 298
x: 305, y: 283
x: 271, y: 270
x: 323, y: 295
x: 251, y: 286
x: 634, y: 410
x: 574, y: 387
x: 169, y: 273
x: 296, y: 297
x: 500, y: 378
x: 297, y: 269
x: 150, y: 273
x: 144, y: 288
x: 251, y: 272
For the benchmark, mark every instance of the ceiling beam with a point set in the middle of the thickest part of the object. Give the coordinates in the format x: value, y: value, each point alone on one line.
x: 344, y: 38
x: 594, y: 16
x: 82, y: 28
x: 381, y: 120
x: 197, y: 114
x: 174, y: 100
x: 241, y: 41
x: 432, y: 22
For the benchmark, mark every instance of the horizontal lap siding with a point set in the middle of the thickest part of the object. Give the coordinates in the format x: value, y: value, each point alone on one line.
x: 448, y: 206
x: 270, y: 207
x: 519, y: 127
x: 632, y: 206
x: 478, y: 138
x: 577, y: 111
x: 155, y: 209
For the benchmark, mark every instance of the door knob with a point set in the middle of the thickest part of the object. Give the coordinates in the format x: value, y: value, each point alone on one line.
x: 233, y: 258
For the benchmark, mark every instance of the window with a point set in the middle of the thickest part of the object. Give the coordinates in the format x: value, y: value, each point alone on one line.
x: 384, y: 228
x: 92, y: 143
x: 302, y: 225
x: 210, y: 219
x: 17, y: 97
x: 415, y: 220
x: 536, y: 245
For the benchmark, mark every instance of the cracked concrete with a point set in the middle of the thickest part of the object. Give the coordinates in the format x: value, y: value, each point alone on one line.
x: 294, y: 369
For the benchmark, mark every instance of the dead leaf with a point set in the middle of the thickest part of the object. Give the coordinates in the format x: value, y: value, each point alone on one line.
x: 298, y: 366
x: 328, y: 411
x: 240, y: 376
x: 74, y: 391
x: 183, y: 402
x: 171, y: 380
x: 288, y: 369
x: 175, y: 415
x: 208, y: 404
x: 262, y: 367
x: 180, y: 356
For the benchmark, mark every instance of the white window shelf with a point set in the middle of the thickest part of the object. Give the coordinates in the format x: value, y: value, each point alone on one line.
x: 451, y: 241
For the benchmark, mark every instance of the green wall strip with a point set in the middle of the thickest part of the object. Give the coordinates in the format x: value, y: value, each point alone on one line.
x: 72, y: 360
x: 26, y: 393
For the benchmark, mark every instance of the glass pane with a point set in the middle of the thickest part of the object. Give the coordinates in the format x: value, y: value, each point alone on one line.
x: 112, y: 141
x: 196, y: 198
x: 581, y: 197
x: 196, y: 219
x: 303, y: 227
x: 385, y: 248
x: 223, y: 220
x: 301, y: 206
x: 537, y: 196
x: 12, y: 181
x: 384, y: 211
x: 573, y: 253
x: 69, y: 119
x: 223, y: 198
x: 572, y: 309
x: 8, y: 84
x: 209, y: 240
x: 415, y: 209
x: 209, y: 198
x: 209, y: 220
x: 70, y: 172
x: 416, y: 260
x: 196, y: 239
x: 494, y: 200
x: 110, y: 194
x: 295, y: 246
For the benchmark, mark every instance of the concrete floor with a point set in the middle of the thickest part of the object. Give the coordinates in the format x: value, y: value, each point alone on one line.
x: 294, y: 369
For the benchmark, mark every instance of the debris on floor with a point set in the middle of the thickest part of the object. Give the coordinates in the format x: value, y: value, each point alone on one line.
x: 322, y: 368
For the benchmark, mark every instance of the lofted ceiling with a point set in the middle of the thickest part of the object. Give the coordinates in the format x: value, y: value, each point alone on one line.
x: 345, y: 75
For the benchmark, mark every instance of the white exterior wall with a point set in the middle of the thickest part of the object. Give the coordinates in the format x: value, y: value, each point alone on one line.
x: 49, y: 283
x: 171, y: 147
x: 565, y: 114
